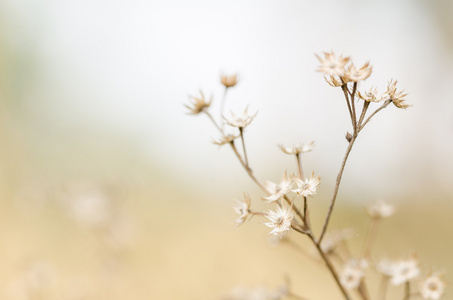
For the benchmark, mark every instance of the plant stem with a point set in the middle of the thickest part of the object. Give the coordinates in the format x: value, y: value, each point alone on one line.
x: 335, y: 192
x: 330, y: 267
x: 213, y: 121
x: 222, y: 103
x: 386, y: 103
x: 407, y: 291
x: 247, y: 168
x: 241, y: 130
x: 344, y: 87
x: 299, y: 166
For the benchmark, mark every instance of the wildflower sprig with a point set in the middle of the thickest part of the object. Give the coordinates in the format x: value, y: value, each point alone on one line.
x: 285, y: 196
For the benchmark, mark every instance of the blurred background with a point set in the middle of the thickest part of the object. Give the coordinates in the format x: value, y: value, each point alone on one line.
x: 109, y: 190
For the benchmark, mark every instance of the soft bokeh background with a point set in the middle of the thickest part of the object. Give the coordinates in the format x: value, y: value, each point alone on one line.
x: 110, y: 191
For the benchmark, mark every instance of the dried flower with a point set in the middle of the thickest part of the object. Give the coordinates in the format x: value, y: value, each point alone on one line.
x: 296, y: 149
x: 396, y: 97
x: 307, y: 187
x: 332, y: 81
x: 385, y: 267
x: 352, y: 273
x: 432, y: 287
x: 332, y: 65
x: 380, y: 209
x: 404, y: 270
x: 225, y: 139
x: 280, y: 220
x: 240, y: 121
x: 242, y: 208
x: 277, y: 191
x: 356, y: 75
x: 199, y: 104
x: 371, y: 95
x: 229, y: 80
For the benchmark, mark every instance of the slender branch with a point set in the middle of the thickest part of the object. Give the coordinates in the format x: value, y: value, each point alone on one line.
x: 335, y: 192
x: 299, y: 166
x: 370, y: 238
x: 330, y: 267
x: 247, y: 168
x: 241, y: 130
x: 354, y: 88
x: 386, y: 103
x: 366, y: 104
x: 213, y: 121
x: 299, y: 214
x: 344, y: 87
x: 407, y: 291
x: 222, y: 103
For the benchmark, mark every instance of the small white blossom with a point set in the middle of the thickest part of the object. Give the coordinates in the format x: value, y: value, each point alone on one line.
x: 296, y: 149
x: 432, y: 287
x: 240, y: 121
x: 242, y: 208
x: 380, y: 209
x: 404, y: 270
x: 307, y: 187
x: 225, y: 139
x: 277, y: 191
x: 280, y: 220
x: 332, y: 65
x: 372, y: 95
x: 352, y: 273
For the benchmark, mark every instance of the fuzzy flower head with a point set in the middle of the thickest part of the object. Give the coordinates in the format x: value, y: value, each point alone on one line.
x: 240, y: 121
x: 333, y: 82
x: 280, y: 220
x: 397, y: 97
x: 352, y: 273
x: 404, y: 270
x: 332, y: 65
x: 229, y: 80
x: 297, y: 149
x: 371, y: 95
x: 380, y: 209
x: 307, y: 187
x: 225, y: 139
x: 277, y: 191
x: 242, y: 208
x: 199, y: 104
x: 432, y: 287
x: 357, y: 74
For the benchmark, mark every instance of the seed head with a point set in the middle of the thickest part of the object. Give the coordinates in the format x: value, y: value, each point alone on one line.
x: 229, y: 80
x: 332, y: 65
x: 199, y: 104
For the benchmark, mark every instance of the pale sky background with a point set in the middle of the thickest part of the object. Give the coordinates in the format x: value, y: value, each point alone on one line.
x: 124, y: 69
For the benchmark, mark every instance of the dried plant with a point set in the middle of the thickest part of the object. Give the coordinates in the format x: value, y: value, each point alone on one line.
x: 289, y: 199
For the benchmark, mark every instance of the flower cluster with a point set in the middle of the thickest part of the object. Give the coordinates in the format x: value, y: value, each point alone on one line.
x: 291, y: 196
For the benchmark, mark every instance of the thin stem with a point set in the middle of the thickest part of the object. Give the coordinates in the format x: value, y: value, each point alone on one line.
x: 354, y: 88
x: 407, y: 291
x: 386, y: 103
x: 213, y: 121
x: 247, y: 169
x: 330, y: 267
x: 290, y: 203
x: 371, y: 237
x: 241, y: 130
x: 299, y: 165
x: 344, y: 87
x: 383, y: 288
x: 366, y: 104
x: 222, y: 103
x: 335, y: 192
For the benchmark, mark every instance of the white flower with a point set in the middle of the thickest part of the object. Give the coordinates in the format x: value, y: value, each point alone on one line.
x: 307, y: 187
x: 352, y: 273
x: 296, y: 149
x: 242, y: 208
x: 432, y: 287
x: 380, y: 209
x: 385, y: 267
x: 358, y: 74
x: 397, y: 97
x: 404, y: 270
x: 225, y: 139
x: 372, y: 95
x: 332, y: 65
x: 277, y: 191
x: 240, y: 121
x: 280, y: 220
x: 199, y: 104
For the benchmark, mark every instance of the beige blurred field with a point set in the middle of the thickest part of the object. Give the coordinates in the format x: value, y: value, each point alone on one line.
x: 181, y: 243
